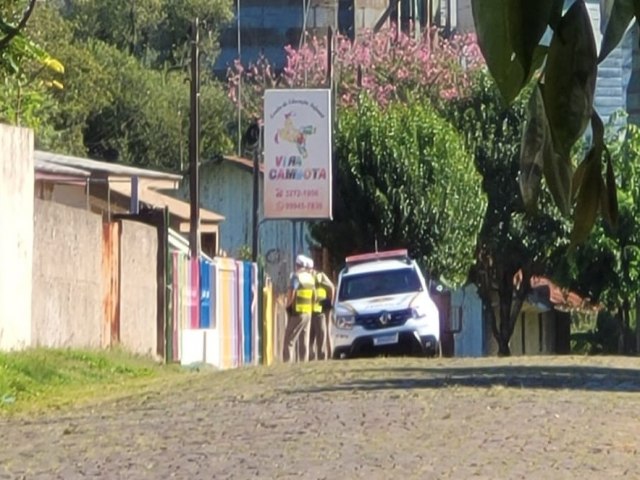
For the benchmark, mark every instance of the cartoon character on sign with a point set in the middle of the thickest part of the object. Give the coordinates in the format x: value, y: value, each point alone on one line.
x: 298, y: 135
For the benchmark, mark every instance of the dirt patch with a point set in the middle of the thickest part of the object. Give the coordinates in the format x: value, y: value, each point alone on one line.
x: 544, y: 417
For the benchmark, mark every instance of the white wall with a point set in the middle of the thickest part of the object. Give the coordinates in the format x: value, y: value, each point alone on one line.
x: 16, y: 237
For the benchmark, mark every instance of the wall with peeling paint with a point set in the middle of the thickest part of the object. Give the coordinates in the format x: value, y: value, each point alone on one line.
x: 94, y: 284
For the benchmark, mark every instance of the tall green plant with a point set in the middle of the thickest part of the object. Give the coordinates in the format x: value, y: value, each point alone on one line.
x: 27, y: 72
x: 114, y: 105
x: 606, y: 267
x: 510, y: 34
x: 511, y: 245
x: 404, y: 179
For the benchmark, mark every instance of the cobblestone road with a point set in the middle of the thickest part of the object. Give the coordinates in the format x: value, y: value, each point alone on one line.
x: 404, y: 418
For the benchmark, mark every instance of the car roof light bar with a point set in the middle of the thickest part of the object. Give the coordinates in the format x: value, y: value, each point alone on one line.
x: 400, y: 254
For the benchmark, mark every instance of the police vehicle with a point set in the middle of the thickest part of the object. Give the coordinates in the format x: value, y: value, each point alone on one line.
x: 383, y: 306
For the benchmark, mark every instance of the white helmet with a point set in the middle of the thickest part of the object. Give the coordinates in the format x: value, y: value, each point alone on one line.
x: 304, y: 261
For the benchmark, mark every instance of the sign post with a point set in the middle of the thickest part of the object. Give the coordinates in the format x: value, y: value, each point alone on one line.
x: 297, y: 154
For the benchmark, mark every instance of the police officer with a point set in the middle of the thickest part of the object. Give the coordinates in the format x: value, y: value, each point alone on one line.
x: 321, y: 311
x: 300, y: 305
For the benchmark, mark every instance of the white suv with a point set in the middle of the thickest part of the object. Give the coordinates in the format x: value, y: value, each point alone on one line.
x: 383, y: 305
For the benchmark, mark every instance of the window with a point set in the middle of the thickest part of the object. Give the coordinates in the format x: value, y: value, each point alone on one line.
x: 376, y: 284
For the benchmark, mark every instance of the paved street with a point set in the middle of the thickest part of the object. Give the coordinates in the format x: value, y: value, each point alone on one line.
x: 407, y: 418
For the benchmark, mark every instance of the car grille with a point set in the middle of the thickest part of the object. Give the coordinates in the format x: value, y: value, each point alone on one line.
x: 375, y: 321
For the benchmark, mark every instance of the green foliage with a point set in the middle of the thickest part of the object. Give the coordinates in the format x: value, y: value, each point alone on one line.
x: 607, y: 266
x: 154, y: 31
x: 38, y: 375
x: 114, y: 105
x: 404, y: 179
x: 510, y: 35
x: 603, y: 338
x: 509, y: 241
x: 27, y: 74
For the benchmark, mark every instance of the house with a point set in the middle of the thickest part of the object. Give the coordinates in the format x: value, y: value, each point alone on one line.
x: 226, y: 186
x: 108, y: 188
x: 543, y: 325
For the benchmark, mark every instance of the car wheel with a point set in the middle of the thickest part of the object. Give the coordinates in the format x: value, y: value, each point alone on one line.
x: 339, y: 355
x: 434, y: 352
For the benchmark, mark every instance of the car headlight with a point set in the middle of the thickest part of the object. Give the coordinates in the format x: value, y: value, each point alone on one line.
x: 345, y: 322
x: 418, y: 312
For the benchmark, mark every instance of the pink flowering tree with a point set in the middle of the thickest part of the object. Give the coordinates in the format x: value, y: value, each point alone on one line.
x: 386, y: 65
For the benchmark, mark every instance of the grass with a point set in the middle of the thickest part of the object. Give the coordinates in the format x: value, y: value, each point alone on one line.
x: 39, y: 379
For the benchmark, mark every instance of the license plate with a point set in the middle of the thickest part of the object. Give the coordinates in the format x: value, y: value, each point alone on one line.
x: 386, y: 339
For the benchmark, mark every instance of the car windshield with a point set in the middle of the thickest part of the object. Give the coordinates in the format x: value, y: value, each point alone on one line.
x: 376, y: 284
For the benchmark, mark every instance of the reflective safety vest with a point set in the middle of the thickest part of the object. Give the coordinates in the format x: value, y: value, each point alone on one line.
x: 321, y: 294
x: 303, y: 302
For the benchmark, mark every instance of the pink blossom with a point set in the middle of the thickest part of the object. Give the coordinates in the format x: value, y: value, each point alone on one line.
x: 392, y: 65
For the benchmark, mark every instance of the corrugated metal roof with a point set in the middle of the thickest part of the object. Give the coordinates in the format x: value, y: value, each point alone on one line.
x: 181, y: 244
x: 243, y: 162
x: 49, y: 167
x: 177, y: 207
x: 96, y: 166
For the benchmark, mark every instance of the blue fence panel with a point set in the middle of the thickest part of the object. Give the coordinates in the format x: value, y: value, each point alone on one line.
x: 205, y: 294
x: 246, y: 296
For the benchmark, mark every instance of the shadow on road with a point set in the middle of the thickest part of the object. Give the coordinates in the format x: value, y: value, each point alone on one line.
x: 597, y: 379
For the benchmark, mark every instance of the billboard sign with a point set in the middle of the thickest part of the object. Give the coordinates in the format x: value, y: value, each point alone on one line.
x: 297, y: 154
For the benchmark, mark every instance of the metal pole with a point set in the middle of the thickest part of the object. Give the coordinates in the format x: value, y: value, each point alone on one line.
x: 294, y: 247
x: 239, y: 85
x: 134, y: 206
x: 194, y: 143
x: 256, y: 192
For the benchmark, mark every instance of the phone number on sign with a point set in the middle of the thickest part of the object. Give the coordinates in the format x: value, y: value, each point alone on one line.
x: 299, y: 205
x: 299, y: 193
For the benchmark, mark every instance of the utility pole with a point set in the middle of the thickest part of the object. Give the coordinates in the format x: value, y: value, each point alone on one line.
x: 257, y: 152
x: 194, y: 143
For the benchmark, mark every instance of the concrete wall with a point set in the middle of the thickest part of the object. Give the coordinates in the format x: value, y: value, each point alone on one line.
x: 16, y: 240
x: 138, y: 288
x: 86, y: 294
x: 67, y: 283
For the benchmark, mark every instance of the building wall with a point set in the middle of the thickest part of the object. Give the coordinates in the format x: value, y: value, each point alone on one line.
x: 16, y: 240
x: 227, y: 189
x: 466, y: 304
x: 533, y: 334
x: 71, y: 195
x: 138, y: 288
x: 267, y: 27
x: 94, y: 285
x: 67, y: 285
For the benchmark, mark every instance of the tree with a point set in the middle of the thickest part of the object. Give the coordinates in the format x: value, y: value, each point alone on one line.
x: 511, y: 246
x: 606, y: 268
x: 27, y: 72
x: 510, y: 35
x: 117, y: 108
x: 154, y: 31
x: 404, y: 179
x: 387, y: 65
x: 9, y: 31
